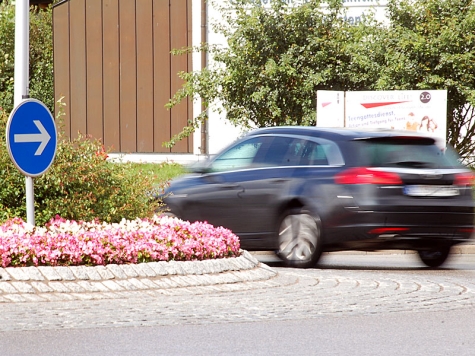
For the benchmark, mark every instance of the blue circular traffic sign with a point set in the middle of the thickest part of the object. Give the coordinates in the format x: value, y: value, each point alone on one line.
x: 31, y: 137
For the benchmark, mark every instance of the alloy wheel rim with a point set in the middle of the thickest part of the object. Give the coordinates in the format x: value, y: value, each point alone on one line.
x: 298, y: 237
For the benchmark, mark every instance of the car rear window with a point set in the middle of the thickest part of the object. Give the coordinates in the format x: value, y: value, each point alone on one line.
x: 404, y: 152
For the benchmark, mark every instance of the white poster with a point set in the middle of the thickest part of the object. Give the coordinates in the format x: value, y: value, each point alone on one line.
x: 424, y: 111
x: 330, y: 108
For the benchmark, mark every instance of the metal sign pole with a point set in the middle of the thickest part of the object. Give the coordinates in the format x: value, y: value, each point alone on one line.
x: 22, y: 39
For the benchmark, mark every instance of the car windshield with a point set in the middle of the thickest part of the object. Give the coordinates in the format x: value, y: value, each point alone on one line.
x: 413, y: 153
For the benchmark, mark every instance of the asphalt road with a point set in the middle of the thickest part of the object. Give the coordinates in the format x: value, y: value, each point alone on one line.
x: 348, y: 305
x: 424, y: 333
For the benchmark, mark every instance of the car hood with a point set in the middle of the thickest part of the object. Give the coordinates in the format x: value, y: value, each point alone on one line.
x: 183, y: 182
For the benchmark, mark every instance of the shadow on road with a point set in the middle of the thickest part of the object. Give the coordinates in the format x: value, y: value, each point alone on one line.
x: 381, y: 262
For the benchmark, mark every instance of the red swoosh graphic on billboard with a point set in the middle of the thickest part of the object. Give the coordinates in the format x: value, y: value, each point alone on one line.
x: 375, y: 105
x: 326, y: 104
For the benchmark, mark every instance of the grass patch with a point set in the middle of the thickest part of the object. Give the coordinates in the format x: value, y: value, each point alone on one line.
x: 160, y: 173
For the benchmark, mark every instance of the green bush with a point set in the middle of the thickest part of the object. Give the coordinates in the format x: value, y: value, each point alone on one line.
x: 80, y: 184
x: 40, y: 59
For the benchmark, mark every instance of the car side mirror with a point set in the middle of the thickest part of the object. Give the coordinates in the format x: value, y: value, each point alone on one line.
x: 199, y: 167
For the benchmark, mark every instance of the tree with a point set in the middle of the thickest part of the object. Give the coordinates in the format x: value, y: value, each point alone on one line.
x: 278, y: 57
x: 41, y: 56
x: 275, y: 61
x: 430, y: 44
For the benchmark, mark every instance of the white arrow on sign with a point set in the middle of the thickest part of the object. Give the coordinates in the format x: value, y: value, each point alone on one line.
x: 42, y: 137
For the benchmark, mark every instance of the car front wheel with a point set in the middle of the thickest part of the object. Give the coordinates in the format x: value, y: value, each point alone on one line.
x: 434, y: 257
x: 299, y: 239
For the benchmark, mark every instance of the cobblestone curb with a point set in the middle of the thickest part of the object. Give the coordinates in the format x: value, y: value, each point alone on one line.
x: 21, y: 284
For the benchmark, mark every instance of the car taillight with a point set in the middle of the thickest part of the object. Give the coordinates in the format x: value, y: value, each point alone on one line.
x: 362, y: 175
x: 464, y: 179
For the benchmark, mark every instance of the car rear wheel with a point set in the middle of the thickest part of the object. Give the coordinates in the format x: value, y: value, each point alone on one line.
x: 434, y: 257
x: 299, y: 239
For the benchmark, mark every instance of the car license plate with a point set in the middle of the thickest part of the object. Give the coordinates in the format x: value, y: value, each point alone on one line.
x: 431, y: 190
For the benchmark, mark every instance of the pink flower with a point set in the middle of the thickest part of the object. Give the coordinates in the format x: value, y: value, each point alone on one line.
x: 64, y: 242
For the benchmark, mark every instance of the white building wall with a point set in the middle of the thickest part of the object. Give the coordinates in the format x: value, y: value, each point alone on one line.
x: 220, y: 131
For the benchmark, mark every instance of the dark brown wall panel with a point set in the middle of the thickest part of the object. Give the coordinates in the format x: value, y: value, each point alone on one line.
x: 94, y: 67
x: 179, y: 39
x: 78, y: 73
x: 162, y: 92
x: 144, y: 76
x: 114, y: 67
x: 128, y: 77
x: 61, y: 61
x: 110, y: 13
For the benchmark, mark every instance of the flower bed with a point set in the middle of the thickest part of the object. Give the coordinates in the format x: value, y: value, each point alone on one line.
x: 63, y: 243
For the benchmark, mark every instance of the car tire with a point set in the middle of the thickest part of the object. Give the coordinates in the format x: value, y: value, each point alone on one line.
x: 434, y: 257
x: 299, y: 239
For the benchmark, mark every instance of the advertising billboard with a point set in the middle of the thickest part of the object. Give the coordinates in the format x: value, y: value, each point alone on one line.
x: 423, y: 111
x: 415, y: 110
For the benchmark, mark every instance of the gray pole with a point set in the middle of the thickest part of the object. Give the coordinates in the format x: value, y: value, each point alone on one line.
x: 22, y: 51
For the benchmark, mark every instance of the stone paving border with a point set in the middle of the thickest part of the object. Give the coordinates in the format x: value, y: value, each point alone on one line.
x: 47, y: 283
x: 27, y: 284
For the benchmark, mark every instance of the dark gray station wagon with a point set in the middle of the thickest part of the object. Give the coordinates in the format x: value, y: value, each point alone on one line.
x: 304, y: 190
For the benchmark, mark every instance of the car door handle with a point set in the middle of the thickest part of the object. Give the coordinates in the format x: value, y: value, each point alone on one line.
x: 278, y: 180
x: 230, y: 186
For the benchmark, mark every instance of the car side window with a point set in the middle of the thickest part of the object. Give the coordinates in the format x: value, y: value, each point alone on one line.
x: 282, y: 152
x: 291, y: 151
x: 240, y: 156
x: 314, y: 154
